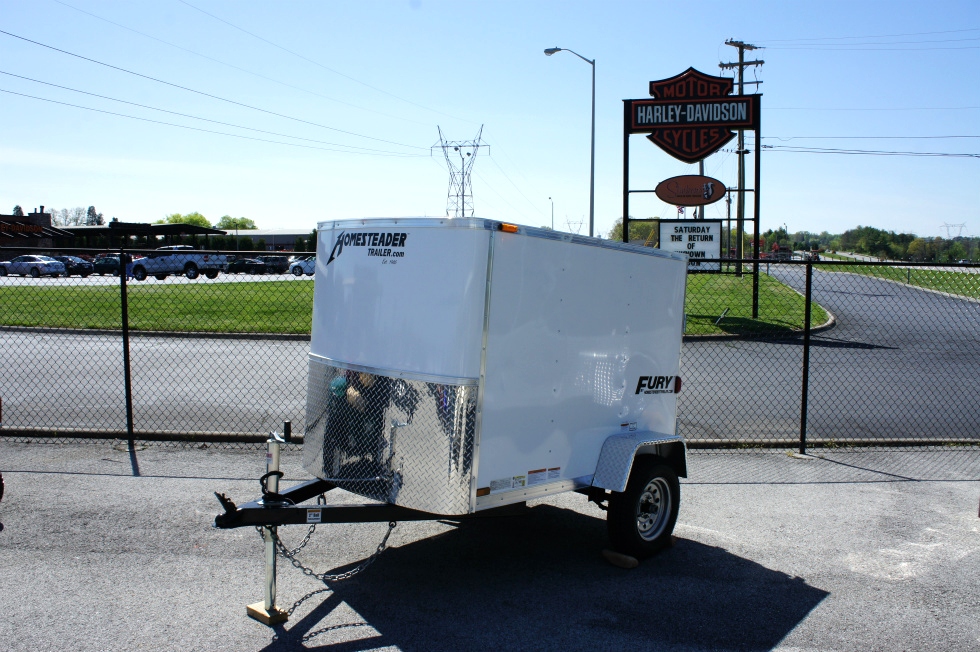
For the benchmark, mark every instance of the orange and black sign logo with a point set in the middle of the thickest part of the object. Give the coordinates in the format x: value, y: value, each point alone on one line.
x: 692, y: 114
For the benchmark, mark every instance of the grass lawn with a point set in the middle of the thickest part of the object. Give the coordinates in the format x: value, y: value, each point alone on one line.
x: 286, y: 306
x: 781, y: 309
x: 260, y: 307
x: 961, y: 283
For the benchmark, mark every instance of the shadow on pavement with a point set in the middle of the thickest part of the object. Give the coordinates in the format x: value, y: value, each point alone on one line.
x: 539, y: 582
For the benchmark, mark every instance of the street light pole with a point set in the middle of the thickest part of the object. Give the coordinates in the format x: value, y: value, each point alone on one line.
x: 552, y: 213
x: 591, y: 62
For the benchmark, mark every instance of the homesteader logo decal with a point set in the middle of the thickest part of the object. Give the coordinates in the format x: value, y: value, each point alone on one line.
x: 380, y: 245
x: 656, y: 385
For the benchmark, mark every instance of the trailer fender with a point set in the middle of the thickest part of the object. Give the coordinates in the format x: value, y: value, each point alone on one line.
x: 619, y: 451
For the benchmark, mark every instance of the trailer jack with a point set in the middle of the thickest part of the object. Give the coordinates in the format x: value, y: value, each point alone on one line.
x: 285, y: 507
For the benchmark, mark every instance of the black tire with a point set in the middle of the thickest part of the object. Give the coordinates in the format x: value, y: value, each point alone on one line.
x: 35, y: 272
x: 211, y: 274
x: 641, y: 519
x: 160, y: 277
x: 190, y: 271
x: 139, y: 273
x: 84, y: 275
x: 297, y: 271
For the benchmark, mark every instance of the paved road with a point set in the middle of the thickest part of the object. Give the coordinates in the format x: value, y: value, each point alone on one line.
x: 856, y: 551
x: 899, y: 362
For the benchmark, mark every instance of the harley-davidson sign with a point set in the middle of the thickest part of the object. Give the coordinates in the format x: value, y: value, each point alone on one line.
x: 692, y: 114
x: 690, y: 190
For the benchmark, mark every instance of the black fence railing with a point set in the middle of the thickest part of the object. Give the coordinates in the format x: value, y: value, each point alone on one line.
x: 212, y: 346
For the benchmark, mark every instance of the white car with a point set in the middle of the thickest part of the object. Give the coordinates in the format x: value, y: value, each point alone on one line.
x: 300, y: 267
x: 36, y: 266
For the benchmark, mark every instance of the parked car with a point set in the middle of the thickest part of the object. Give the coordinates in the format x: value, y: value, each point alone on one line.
x: 179, y: 259
x: 245, y: 266
x: 275, y: 264
x: 76, y: 265
x: 301, y: 267
x: 106, y: 264
x: 36, y: 266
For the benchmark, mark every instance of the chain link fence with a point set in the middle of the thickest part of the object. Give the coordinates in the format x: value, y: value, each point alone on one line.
x: 206, y: 346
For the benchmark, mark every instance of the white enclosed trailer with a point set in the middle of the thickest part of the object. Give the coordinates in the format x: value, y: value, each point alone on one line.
x: 458, y: 365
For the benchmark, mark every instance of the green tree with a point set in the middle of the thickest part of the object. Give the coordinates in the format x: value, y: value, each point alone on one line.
x: 919, y: 250
x: 92, y: 218
x: 18, y: 211
x: 229, y: 223
x: 638, y: 230
x: 955, y: 252
x: 194, y: 218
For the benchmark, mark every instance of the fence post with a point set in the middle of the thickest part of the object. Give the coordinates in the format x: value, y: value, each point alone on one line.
x: 806, y: 356
x: 124, y: 259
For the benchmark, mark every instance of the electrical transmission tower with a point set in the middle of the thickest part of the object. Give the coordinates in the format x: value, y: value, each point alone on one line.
x: 460, y: 199
x: 949, y: 228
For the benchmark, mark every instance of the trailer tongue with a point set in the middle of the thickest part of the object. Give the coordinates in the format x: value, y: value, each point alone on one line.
x: 458, y: 366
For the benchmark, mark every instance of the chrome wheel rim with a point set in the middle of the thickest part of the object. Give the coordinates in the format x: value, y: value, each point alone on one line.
x: 652, y: 509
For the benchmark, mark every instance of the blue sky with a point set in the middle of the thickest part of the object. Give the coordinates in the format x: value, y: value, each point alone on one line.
x: 359, y: 87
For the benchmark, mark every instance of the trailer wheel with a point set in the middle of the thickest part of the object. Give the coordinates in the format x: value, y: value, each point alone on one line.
x: 641, y: 519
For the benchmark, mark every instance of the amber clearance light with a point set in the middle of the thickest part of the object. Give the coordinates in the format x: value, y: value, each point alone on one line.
x: 508, y: 228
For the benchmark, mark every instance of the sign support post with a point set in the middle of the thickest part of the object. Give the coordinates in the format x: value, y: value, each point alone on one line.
x: 692, y: 116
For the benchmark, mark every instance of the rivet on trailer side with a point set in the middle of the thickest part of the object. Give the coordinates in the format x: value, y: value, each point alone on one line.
x: 461, y: 367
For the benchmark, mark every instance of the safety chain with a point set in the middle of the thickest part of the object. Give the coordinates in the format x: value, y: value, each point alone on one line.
x: 326, y: 577
x: 320, y: 500
x: 309, y: 635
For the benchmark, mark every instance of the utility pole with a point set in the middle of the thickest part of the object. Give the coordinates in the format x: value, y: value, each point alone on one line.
x: 740, y: 205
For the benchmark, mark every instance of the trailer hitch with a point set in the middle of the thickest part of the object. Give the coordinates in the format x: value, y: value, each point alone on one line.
x: 227, y: 503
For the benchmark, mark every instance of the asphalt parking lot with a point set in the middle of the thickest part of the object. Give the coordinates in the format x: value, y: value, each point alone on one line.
x: 103, y: 550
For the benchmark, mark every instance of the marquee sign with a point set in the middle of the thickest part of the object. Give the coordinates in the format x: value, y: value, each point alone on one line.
x: 699, y: 239
x: 692, y: 114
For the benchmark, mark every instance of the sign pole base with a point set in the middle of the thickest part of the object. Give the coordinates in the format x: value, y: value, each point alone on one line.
x: 269, y: 617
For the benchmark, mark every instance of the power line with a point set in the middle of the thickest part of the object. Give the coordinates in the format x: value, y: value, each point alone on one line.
x: 216, y: 97
x: 785, y: 138
x: 820, y: 150
x: 239, y: 68
x: 497, y: 165
x: 849, y: 48
x: 208, y: 131
x: 910, y: 108
x: 194, y: 117
x: 838, y: 38
x: 317, y: 63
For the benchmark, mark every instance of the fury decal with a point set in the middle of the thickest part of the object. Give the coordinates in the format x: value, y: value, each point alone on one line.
x: 655, y: 385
